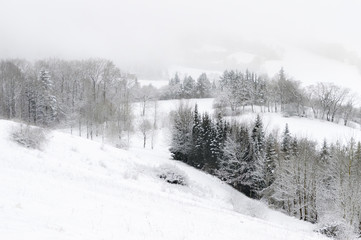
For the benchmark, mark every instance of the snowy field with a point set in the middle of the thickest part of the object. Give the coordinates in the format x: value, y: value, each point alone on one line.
x: 74, y: 188
x: 313, y: 129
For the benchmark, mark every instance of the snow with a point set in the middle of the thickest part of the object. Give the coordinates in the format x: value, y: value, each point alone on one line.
x: 80, y: 189
x: 155, y: 83
x: 313, y: 129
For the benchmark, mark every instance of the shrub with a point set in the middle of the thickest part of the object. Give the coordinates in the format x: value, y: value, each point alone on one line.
x: 336, y: 230
x: 30, y: 137
x: 172, y: 175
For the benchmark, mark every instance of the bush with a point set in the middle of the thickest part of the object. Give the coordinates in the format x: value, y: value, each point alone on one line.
x: 336, y: 230
x: 30, y: 137
x: 172, y: 175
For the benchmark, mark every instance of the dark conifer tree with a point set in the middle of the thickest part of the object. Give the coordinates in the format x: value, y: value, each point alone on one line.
x: 197, y: 133
x: 207, y: 138
x: 258, y: 158
x: 271, y: 160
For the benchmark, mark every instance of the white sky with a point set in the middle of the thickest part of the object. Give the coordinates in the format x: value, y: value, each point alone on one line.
x: 213, y: 35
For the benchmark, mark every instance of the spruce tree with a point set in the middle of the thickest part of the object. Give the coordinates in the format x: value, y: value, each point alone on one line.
x: 197, y: 141
x: 181, y: 144
x: 46, y: 106
x: 271, y: 160
x: 207, y: 138
x: 189, y: 87
x: 258, y: 158
x: 283, y: 186
x: 247, y: 168
x: 204, y: 86
x: 220, y: 131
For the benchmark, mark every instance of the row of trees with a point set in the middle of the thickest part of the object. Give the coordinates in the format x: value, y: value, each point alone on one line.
x: 289, y: 173
x: 188, y: 88
x: 281, y: 93
x: 91, y: 93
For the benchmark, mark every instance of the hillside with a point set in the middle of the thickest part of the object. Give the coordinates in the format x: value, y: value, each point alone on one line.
x: 79, y: 189
x: 314, y: 129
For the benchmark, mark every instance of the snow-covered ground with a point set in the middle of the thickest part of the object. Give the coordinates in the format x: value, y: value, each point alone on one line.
x: 313, y: 129
x: 79, y: 189
x: 155, y: 83
x: 74, y: 188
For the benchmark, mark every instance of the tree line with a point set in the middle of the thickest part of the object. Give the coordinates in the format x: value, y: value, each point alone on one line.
x: 319, y: 185
x: 188, y: 88
x: 236, y: 89
x: 283, y: 94
x: 91, y: 95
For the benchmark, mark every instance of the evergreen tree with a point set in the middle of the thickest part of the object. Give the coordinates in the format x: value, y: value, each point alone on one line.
x: 189, y: 87
x: 197, y: 133
x: 283, y: 186
x: 46, y: 106
x: 271, y: 160
x: 326, y: 193
x: 181, y: 144
x: 204, y: 87
x: 221, y: 135
x: 207, y: 139
x: 175, y: 87
x: 234, y: 165
x: 258, y: 158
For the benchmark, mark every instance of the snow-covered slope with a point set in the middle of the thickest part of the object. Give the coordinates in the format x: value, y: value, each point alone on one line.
x: 314, y: 129
x: 79, y: 189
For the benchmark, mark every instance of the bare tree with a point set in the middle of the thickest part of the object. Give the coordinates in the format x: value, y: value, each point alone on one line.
x: 145, y: 126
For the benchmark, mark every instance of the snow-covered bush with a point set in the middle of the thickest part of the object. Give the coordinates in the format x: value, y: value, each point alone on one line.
x: 336, y: 230
x: 30, y: 137
x: 172, y: 174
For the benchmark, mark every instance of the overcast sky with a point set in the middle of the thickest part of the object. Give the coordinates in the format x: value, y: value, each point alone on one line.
x: 310, y: 38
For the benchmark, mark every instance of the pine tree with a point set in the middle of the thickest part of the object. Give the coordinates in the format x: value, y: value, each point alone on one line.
x: 181, y: 144
x: 197, y: 133
x: 207, y: 140
x: 204, y: 86
x: 258, y: 158
x: 220, y: 136
x: 271, y: 160
x: 189, y: 87
x: 326, y: 183
x: 234, y: 164
x: 247, y: 168
x: 175, y: 88
x: 283, y: 186
x: 46, y: 104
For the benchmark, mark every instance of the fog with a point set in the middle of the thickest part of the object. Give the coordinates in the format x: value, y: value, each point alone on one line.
x: 152, y: 36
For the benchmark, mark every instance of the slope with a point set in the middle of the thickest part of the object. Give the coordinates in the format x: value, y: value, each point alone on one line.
x: 79, y: 189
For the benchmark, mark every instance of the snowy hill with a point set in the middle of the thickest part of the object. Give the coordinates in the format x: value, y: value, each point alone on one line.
x: 79, y: 189
x: 313, y: 129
